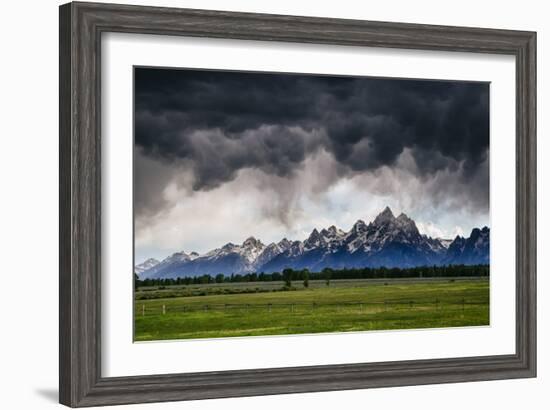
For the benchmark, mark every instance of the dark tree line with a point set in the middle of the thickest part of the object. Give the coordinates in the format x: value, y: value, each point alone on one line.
x: 327, y: 274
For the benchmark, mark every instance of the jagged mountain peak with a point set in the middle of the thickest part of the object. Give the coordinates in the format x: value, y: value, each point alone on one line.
x: 387, y: 241
x: 284, y: 243
x: 384, y: 217
x: 359, y: 226
x: 474, y: 249
x: 332, y: 232
x: 407, y: 224
x: 403, y: 217
x: 315, y: 239
x: 477, y: 232
x: 404, y: 220
x: 181, y: 255
x: 228, y: 246
x: 146, y: 265
x: 252, y: 242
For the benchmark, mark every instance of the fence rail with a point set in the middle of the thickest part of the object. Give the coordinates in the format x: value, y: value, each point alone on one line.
x: 142, y: 309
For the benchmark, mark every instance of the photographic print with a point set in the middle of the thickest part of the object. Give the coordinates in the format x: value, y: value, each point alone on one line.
x: 279, y: 203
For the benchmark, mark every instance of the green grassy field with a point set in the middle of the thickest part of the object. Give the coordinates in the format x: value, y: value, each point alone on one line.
x: 219, y: 310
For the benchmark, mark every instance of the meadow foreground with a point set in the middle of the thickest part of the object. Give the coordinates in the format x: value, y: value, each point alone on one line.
x: 262, y: 308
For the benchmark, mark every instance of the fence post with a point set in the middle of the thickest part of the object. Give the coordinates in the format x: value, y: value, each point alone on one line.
x: 269, y: 307
x: 163, y: 309
x: 142, y: 310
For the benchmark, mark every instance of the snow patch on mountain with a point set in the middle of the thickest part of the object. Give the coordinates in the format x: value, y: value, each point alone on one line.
x: 146, y: 265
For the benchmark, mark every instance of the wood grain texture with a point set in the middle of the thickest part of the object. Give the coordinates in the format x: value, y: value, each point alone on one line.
x: 65, y: 119
x: 81, y: 25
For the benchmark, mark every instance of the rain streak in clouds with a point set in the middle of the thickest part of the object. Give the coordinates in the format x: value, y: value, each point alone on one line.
x: 220, y: 155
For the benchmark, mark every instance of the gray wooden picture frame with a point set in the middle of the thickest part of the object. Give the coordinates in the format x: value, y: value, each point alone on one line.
x: 81, y: 27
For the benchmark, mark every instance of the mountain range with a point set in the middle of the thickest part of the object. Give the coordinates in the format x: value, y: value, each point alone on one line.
x: 387, y: 241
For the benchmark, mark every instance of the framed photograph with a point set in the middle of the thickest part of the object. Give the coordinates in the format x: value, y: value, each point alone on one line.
x: 262, y: 204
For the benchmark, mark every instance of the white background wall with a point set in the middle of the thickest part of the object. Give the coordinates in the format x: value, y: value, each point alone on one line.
x: 28, y: 205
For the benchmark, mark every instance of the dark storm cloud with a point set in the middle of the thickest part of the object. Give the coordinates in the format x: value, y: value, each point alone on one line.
x: 222, y: 122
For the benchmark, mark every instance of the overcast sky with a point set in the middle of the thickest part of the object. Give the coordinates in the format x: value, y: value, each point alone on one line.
x: 220, y: 156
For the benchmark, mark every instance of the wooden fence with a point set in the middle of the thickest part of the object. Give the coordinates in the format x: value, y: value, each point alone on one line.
x: 386, y: 305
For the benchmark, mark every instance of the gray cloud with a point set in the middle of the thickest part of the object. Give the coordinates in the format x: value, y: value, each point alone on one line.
x: 211, y: 126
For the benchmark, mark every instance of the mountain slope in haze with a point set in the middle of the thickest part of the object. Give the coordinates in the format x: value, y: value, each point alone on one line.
x: 145, y: 266
x: 387, y: 241
x: 469, y: 251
